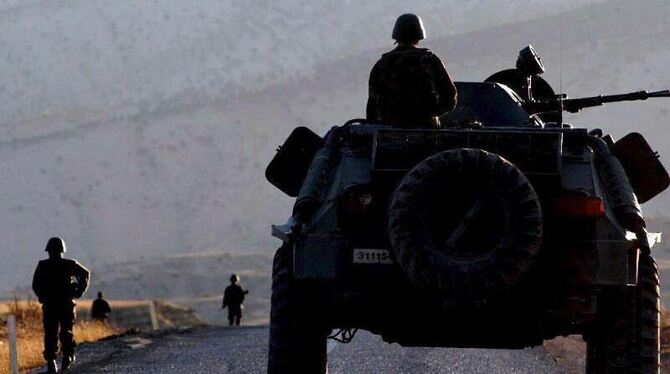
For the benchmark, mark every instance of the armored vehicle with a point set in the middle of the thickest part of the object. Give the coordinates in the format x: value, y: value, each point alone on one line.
x: 497, y: 230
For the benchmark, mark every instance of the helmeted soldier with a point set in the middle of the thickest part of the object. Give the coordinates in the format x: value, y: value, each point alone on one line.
x: 100, y: 309
x: 57, y: 282
x: 409, y: 86
x: 233, y: 298
x: 526, y: 81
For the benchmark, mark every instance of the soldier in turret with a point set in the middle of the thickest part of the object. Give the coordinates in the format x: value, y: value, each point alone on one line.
x: 233, y: 298
x: 409, y: 86
x: 57, y: 282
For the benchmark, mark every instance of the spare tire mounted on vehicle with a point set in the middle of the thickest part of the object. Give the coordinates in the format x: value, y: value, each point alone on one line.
x: 465, y: 224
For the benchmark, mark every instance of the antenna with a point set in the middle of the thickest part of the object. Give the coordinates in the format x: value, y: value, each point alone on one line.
x: 560, y: 52
x: 501, y: 19
x: 560, y: 69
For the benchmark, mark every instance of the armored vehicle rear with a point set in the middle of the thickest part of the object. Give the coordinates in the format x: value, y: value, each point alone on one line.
x: 498, y: 230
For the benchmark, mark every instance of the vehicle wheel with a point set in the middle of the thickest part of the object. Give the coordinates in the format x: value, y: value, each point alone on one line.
x: 466, y: 224
x: 591, y: 358
x: 627, y: 327
x: 296, y: 344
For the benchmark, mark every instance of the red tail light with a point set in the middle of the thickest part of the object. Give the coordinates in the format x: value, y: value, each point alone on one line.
x: 580, y: 206
x: 354, y: 210
x: 356, y: 203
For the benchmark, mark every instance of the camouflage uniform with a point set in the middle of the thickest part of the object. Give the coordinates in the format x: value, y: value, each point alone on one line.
x: 409, y: 87
x: 57, y: 282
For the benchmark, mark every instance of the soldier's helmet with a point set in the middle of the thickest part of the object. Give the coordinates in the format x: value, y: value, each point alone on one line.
x: 408, y: 28
x: 529, y: 61
x: 234, y: 278
x: 55, y: 245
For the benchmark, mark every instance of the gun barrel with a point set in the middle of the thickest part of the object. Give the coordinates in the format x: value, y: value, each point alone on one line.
x: 633, y: 96
x: 575, y: 105
x: 663, y: 93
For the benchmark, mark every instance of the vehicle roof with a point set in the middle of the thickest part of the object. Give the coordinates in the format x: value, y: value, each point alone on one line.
x: 492, y: 104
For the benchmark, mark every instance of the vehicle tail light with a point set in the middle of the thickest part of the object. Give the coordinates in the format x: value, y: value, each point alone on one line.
x: 580, y: 206
x: 356, y: 203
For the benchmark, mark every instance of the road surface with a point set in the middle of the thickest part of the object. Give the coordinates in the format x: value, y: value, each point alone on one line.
x: 244, y: 350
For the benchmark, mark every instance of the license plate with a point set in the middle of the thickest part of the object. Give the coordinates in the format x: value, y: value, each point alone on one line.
x: 371, y: 256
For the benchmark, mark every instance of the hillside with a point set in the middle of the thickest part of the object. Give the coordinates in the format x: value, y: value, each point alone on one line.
x: 140, y: 133
x: 73, y: 62
x: 195, y: 280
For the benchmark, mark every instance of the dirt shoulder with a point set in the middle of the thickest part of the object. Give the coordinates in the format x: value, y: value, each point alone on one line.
x: 569, y: 352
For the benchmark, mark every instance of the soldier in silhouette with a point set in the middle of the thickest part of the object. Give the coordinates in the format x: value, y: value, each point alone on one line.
x: 57, y: 282
x: 100, y: 309
x: 233, y: 298
x: 409, y: 86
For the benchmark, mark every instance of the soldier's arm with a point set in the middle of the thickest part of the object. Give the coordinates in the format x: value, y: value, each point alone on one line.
x: 446, y: 89
x: 38, y: 282
x: 82, y: 274
x: 372, y: 108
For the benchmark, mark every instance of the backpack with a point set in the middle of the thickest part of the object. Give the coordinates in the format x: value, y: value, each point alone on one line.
x: 407, y: 87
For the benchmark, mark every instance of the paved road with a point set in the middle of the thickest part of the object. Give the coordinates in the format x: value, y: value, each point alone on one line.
x: 244, y: 350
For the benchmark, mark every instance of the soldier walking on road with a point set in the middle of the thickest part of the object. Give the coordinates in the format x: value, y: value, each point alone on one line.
x: 100, y: 309
x: 233, y: 298
x: 57, y: 282
x: 409, y: 86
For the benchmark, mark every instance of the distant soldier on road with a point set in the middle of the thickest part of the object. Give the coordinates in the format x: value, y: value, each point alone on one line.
x: 100, y: 309
x: 57, y: 282
x: 409, y: 86
x: 233, y: 298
